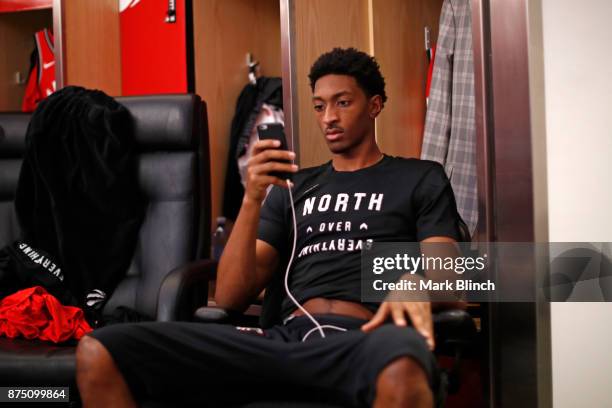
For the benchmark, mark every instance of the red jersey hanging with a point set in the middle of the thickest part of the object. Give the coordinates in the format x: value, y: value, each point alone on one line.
x: 41, y: 81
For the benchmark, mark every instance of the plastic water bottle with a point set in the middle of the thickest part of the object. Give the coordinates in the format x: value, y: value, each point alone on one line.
x: 219, y: 238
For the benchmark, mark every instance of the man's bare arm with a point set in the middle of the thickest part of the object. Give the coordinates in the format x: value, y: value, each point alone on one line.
x: 443, y: 247
x: 247, y: 264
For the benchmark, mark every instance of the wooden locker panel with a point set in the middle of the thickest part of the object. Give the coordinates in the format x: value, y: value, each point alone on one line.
x: 92, y: 47
x: 224, y: 32
x: 399, y: 47
x: 321, y: 25
x: 17, y: 42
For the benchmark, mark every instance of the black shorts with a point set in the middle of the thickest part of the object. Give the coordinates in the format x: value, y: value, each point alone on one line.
x: 222, y: 365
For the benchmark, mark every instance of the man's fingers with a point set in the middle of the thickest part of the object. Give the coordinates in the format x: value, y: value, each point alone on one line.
x: 398, y: 313
x: 273, y: 154
x: 272, y: 166
x: 274, y: 180
x: 262, y: 145
x: 282, y: 156
x: 259, y: 175
x: 265, y: 150
x: 431, y: 342
x: 378, y: 319
x: 416, y: 315
x: 420, y: 315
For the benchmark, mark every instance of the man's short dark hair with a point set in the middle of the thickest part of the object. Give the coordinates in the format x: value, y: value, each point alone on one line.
x: 352, y: 62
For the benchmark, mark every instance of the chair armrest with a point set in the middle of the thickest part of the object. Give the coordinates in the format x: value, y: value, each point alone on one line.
x: 211, y: 314
x: 184, y: 290
x: 216, y: 314
x: 454, y: 327
x: 455, y: 333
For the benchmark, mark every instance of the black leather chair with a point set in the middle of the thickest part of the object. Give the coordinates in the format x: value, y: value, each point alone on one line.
x: 174, y: 175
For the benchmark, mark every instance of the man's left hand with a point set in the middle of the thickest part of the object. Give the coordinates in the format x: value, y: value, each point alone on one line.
x: 419, y: 314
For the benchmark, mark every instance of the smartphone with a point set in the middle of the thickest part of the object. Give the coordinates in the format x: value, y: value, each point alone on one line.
x: 274, y: 131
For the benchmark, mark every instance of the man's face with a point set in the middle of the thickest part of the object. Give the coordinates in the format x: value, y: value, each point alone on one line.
x: 344, y: 113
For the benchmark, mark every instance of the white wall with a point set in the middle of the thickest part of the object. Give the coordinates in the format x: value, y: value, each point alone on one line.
x: 577, y: 42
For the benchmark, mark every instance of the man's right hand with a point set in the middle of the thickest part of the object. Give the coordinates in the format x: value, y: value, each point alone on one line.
x: 247, y: 264
x: 266, y: 159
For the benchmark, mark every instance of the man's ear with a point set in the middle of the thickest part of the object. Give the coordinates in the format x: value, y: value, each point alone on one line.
x: 375, y: 106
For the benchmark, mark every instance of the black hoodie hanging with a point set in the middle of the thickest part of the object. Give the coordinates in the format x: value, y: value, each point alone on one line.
x: 267, y: 90
x: 76, y: 198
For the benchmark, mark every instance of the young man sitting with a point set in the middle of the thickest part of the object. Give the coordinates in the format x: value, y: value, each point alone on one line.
x: 367, y: 354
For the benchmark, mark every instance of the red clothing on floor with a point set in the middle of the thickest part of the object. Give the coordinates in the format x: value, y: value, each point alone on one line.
x: 35, y: 314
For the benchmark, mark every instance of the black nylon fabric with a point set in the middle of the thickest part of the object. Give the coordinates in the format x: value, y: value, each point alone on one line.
x: 75, y: 197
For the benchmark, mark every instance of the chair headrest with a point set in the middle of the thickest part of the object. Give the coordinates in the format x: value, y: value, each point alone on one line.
x: 161, y: 122
x: 13, y: 128
x: 165, y: 122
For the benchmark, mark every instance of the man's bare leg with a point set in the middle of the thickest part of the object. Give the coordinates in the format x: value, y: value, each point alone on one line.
x: 99, y: 380
x: 403, y: 383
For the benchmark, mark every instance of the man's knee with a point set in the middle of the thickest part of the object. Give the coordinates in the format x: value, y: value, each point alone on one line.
x: 391, y: 337
x: 404, y: 382
x: 92, y: 357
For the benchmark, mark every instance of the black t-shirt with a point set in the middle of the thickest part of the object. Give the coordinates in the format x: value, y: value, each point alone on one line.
x: 394, y: 200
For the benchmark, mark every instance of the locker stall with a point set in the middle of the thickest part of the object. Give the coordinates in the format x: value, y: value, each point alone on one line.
x: 225, y: 31
x: 391, y: 30
x: 19, y: 20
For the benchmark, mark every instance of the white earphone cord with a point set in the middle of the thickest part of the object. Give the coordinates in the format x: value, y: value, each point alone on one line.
x: 318, y: 326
